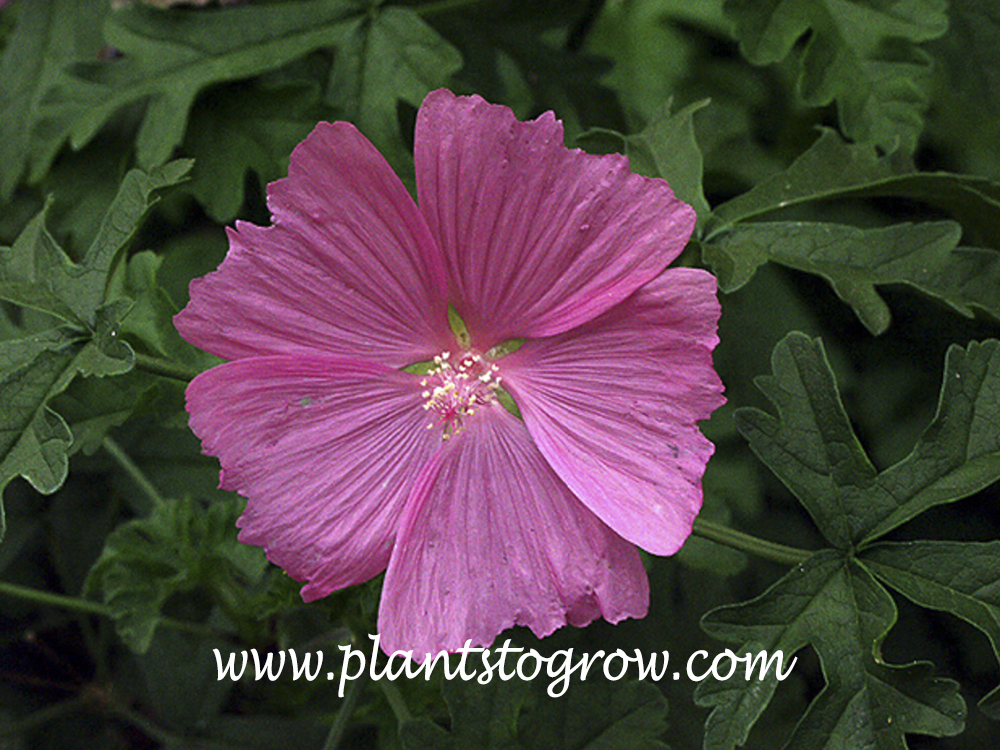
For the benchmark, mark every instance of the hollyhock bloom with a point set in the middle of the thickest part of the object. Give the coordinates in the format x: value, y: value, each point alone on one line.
x: 353, y: 465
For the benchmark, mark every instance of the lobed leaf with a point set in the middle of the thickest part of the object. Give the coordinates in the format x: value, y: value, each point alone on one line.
x: 962, y: 578
x: 390, y: 55
x: 168, y: 58
x: 924, y: 256
x: 832, y: 168
x: 959, y: 452
x: 863, y: 54
x: 812, y: 447
x: 34, y: 439
x: 180, y: 546
x: 49, y: 35
x: 36, y: 272
x: 242, y: 128
x: 667, y: 148
x: 836, y: 607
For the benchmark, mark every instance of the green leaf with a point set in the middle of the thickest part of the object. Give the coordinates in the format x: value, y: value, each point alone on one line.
x: 655, y: 46
x: 598, y: 715
x: 832, y: 168
x: 667, y: 148
x: 863, y: 54
x: 34, y: 439
x: 924, y: 256
x: 959, y: 452
x: 962, y: 578
x: 812, y: 447
x: 389, y: 55
x: 844, y: 614
x: 526, y: 55
x: 482, y: 716
x: 515, y: 715
x: 134, y: 199
x: 92, y: 407
x: 168, y: 58
x: 49, y: 35
x: 149, y: 324
x: 37, y: 273
x: 969, y: 51
x: 242, y: 128
x: 181, y: 546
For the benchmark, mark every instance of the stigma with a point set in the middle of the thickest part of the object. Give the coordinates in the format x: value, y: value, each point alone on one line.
x: 457, y: 388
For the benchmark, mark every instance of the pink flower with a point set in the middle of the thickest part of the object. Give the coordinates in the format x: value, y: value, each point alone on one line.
x: 353, y: 465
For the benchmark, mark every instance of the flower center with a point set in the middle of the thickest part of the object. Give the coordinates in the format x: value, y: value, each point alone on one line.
x: 456, y: 388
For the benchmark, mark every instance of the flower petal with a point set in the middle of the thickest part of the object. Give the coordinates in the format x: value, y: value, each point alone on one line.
x: 325, y: 450
x: 491, y: 538
x: 614, y: 405
x: 538, y: 238
x: 349, y: 267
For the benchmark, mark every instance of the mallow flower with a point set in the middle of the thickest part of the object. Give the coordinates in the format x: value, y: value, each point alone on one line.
x: 501, y: 470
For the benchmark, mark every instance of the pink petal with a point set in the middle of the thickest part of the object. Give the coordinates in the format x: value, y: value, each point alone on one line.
x: 325, y: 450
x: 538, y: 238
x: 349, y: 267
x: 491, y: 538
x: 613, y: 406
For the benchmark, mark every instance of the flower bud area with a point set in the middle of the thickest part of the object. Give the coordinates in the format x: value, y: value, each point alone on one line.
x: 456, y: 388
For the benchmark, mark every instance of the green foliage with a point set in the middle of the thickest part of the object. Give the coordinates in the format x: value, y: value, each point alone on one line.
x: 666, y: 148
x: 36, y: 273
x: 527, y: 55
x: 388, y: 56
x: 181, y: 546
x: 515, y: 715
x: 242, y: 128
x: 832, y: 602
x: 812, y: 447
x: 863, y: 54
x: 958, y: 577
x: 168, y: 58
x: 926, y: 256
x: 973, y: 32
x: 163, y: 61
x: 653, y: 49
x: 721, y: 99
x: 844, y: 614
x: 49, y: 35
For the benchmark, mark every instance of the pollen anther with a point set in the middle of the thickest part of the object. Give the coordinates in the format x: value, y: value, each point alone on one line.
x: 455, y: 386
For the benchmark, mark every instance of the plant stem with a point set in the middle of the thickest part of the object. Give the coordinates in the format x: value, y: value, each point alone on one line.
x: 42, y: 716
x: 146, y: 726
x: 396, y: 701
x: 773, y: 551
x: 137, y: 475
x: 345, y: 713
x: 54, y: 600
x: 91, y: 608
x: 166, y: 368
